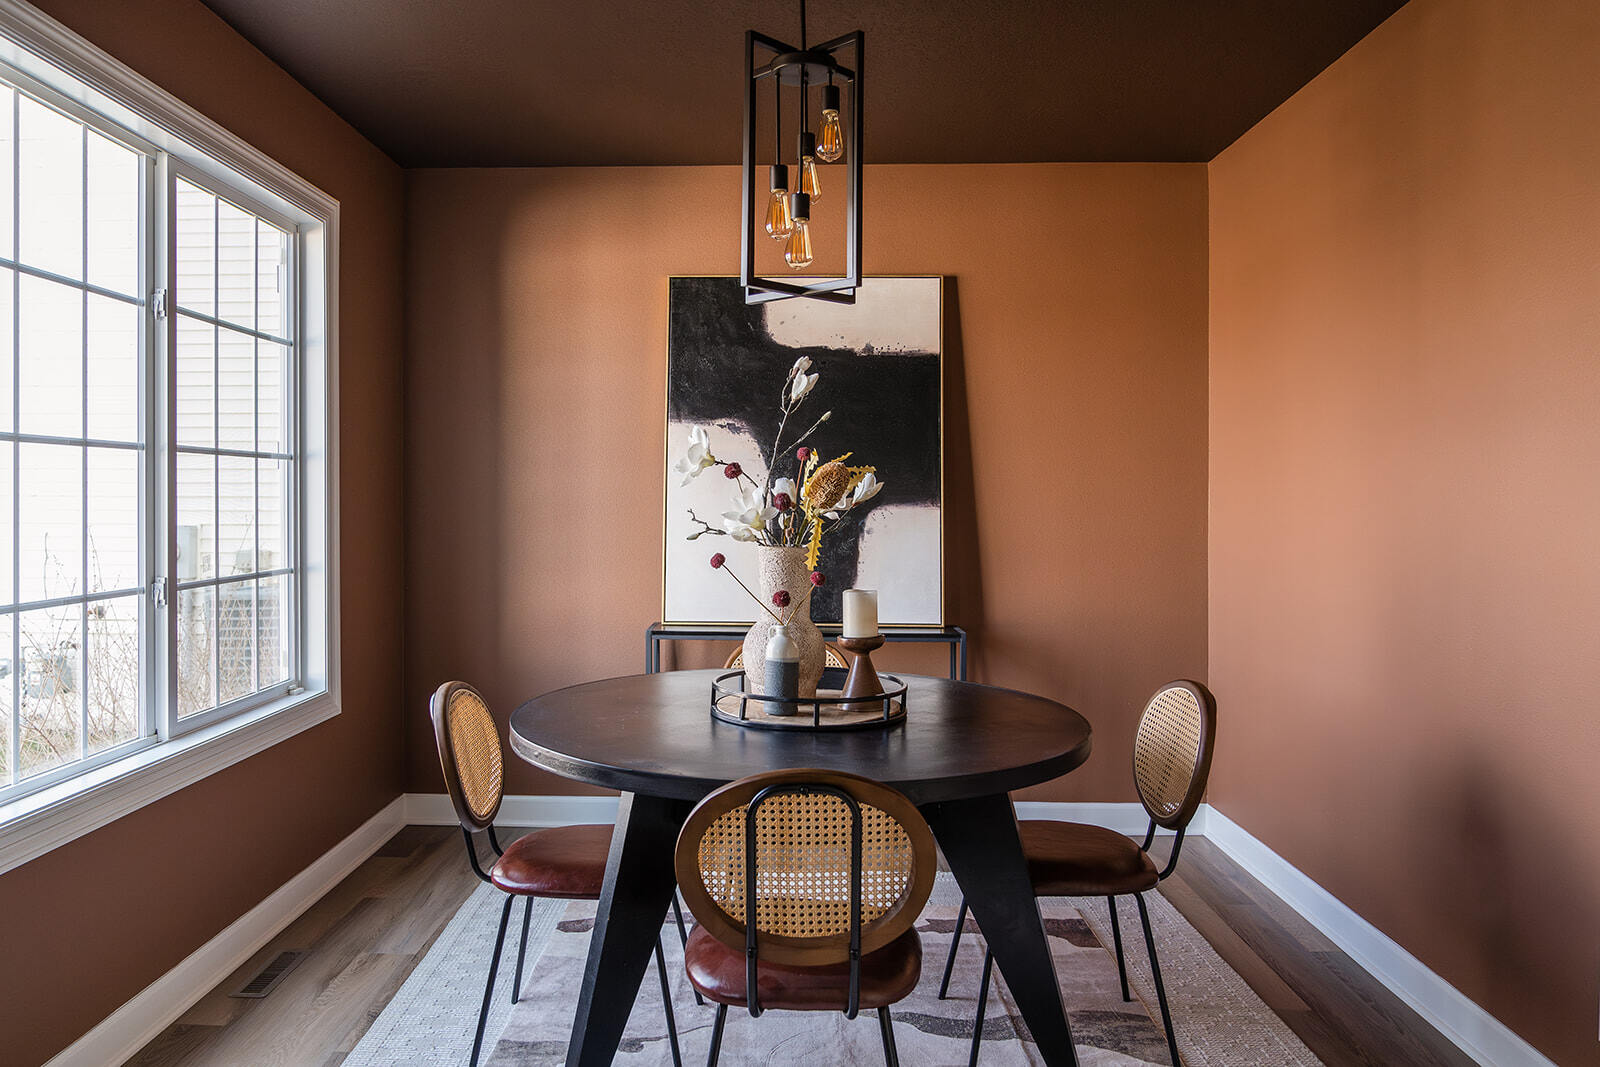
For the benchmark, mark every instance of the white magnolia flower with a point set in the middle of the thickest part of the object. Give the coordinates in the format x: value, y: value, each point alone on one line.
x: 697, y: 458
x: 867, y: 488
x: 785, y: 485
x: 801, y: 365
x: 803, y: 384
x: 749, y: 516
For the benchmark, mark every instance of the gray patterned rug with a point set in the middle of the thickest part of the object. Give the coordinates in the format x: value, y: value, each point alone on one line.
x: 1220, y: 1022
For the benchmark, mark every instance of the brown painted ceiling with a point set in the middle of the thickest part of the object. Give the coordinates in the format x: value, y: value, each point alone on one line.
x: 520, y: 82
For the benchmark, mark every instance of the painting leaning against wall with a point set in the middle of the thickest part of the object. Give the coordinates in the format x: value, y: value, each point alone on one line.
x: 881, y: 367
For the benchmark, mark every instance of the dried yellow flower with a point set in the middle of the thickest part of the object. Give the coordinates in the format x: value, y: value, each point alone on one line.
x: 827, y: 486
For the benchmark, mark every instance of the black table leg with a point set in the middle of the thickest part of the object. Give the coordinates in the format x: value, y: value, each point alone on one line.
x: 979, y: 838
x: 639, y: 886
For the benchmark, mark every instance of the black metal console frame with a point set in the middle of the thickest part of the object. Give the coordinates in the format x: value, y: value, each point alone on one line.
x: 954, y: 636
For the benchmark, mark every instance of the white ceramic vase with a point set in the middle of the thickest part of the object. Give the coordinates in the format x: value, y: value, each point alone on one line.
x: 784, y: 568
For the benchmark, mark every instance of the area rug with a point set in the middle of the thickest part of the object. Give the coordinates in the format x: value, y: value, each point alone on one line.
x: 1220, y: 1022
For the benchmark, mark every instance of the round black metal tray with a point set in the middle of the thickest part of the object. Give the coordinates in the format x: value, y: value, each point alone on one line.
x: 828, y: 710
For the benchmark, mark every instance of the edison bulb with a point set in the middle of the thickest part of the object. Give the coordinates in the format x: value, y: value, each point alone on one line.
x: 779, y: 222
x: 807, y: 154
x: 808, y: 178
x: 797, y: 253
x: 779, y: 219
x: 832, y: 146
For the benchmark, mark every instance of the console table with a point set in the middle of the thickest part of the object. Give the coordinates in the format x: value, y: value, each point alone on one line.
x: 954, y: 636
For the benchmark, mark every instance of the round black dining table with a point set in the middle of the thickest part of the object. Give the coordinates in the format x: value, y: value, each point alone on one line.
x: 957, y: 755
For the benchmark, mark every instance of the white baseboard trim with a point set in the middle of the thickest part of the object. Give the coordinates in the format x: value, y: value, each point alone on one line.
x: 128, y: 1029
x: 434, y: 809
x: 1127, y: 818
x: 1477, y: 1033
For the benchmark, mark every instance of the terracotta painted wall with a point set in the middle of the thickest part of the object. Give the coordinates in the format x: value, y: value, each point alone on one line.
x: 1075, y: 434
x: 89, y: 925
x: 1405, y: 454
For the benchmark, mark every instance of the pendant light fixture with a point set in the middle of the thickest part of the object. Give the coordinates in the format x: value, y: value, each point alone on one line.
x: 802, y: 76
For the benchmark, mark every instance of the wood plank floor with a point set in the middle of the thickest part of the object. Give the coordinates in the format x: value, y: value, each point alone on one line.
x: 366, y: 935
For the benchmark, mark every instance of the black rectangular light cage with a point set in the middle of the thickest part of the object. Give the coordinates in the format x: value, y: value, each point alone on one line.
x: 789, y: 64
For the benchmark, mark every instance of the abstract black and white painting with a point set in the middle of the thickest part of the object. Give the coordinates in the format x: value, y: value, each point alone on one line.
x: 880, y: 362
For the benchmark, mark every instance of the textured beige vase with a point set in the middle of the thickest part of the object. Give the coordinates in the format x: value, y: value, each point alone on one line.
x: 784, y: 568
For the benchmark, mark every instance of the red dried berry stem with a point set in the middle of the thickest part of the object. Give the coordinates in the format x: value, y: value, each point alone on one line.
x: 802, y: 602
x: 752, y: 596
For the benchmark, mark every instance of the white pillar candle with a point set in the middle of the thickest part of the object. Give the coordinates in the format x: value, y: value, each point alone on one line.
x: 861, y: 613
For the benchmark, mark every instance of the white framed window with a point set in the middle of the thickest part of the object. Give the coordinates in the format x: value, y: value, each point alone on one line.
x: 167, y: 387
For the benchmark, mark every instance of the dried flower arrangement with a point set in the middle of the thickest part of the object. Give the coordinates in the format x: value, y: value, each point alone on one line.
x: 784, y: 511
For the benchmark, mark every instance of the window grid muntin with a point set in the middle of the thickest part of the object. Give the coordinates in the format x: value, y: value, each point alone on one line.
x: 290, y: 621
x: 13, y: 782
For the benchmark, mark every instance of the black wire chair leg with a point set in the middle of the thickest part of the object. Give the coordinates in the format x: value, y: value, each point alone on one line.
x: 716, y: 1035
x: 1116, y: 936
x: 983, y: 1002
x: 522, y: 951
x: 677, y: 913
x: 666, y: 1001
x: 488, y: 989
x: 1155, y: 972
x: 891, y: 1055
x: 683, y: 936
x: 955, y: 943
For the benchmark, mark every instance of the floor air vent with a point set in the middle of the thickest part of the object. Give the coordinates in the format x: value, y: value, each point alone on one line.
x: 271, y: 975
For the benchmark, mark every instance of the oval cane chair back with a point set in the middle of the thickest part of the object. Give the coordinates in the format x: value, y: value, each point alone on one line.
x: 831, y: 657
x: 1172, y: 751
x: 469, y: 753
x: 802, y: 854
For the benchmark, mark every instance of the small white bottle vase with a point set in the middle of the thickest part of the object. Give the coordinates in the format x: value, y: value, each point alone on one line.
x: 782, y: 674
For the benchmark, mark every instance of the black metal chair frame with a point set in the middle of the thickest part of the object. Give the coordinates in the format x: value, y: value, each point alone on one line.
x: 891, y: 1055
x: 1116, y: 936
x: 1176, y: 820
x: 522, y: 951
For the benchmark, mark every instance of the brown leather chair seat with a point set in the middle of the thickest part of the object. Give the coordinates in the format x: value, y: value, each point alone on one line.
x: 1067, y: 859
x: 567, y: 862
x: 887, y: 975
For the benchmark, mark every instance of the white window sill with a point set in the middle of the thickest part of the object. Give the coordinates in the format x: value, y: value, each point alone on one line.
x: 39, y: 822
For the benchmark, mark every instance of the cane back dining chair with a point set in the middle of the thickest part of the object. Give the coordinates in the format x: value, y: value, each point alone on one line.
x: 831, y: 657
x: 807, y: 885
x: 1171, y: 763
x: 562, y: 862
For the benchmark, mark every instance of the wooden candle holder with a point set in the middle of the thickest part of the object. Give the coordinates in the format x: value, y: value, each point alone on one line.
x: 862, y: 681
